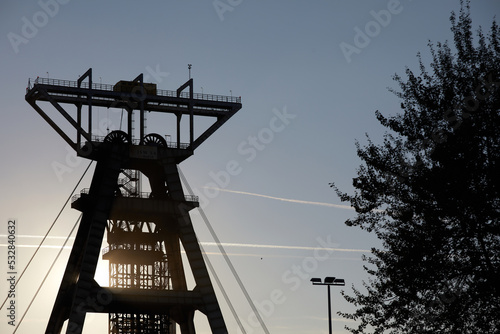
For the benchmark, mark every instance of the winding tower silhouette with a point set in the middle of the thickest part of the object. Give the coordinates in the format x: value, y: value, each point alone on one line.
x: 148, y: 292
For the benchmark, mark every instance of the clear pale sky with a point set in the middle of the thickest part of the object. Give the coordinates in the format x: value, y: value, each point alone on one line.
x: 310, y: 75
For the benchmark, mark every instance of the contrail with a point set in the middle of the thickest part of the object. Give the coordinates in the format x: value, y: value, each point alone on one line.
x: 224, y: 244
x: 35, y: 246
x: 339, y: 206
x: 38, y: 236
x: 285, y: 247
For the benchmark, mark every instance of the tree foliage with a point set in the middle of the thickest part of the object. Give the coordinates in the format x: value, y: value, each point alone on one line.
x: 431, y: 191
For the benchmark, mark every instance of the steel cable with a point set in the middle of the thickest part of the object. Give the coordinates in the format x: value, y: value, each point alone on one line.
x: 228, y: 261
x: 50, y: 228
x: 48, y: 272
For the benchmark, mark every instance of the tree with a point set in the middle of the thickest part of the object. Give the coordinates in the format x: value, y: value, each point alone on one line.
x: 431, y: 193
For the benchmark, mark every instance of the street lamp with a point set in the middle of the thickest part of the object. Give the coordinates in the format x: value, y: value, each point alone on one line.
x: 329, y: 281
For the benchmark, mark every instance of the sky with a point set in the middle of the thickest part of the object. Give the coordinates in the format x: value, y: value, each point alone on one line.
x: 311, y: 75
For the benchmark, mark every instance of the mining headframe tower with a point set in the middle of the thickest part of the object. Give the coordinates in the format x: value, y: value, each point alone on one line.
x: 148, y: 292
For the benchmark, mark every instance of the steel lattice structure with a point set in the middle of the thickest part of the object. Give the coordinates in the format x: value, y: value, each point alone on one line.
x: 148, y: 292
x: 137, y: 259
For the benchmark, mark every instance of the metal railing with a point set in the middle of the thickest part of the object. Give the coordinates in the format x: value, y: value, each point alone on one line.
x: 135, y: 141
x: 188, y: 198
x: 134, y: 247
x: 108, y: 87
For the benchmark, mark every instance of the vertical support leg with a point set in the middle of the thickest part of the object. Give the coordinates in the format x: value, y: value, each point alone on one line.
x: 174, y: 261
x: 61, y: 309
x: 79, y: 275
x: 187, y: 325
x: 193, y: 252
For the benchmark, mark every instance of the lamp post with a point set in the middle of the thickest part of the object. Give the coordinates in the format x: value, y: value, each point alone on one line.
x: 329, y: 281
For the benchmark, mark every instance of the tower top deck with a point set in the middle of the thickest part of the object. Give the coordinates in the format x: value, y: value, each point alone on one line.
x: 132, y: 96
x: 106, y: 95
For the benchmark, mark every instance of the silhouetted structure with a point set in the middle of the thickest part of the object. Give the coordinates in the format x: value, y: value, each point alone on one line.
x: 148, y: 292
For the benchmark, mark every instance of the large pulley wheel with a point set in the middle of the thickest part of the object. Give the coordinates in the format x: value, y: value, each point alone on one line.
x: 117, y: 137
x: 154, y: 139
